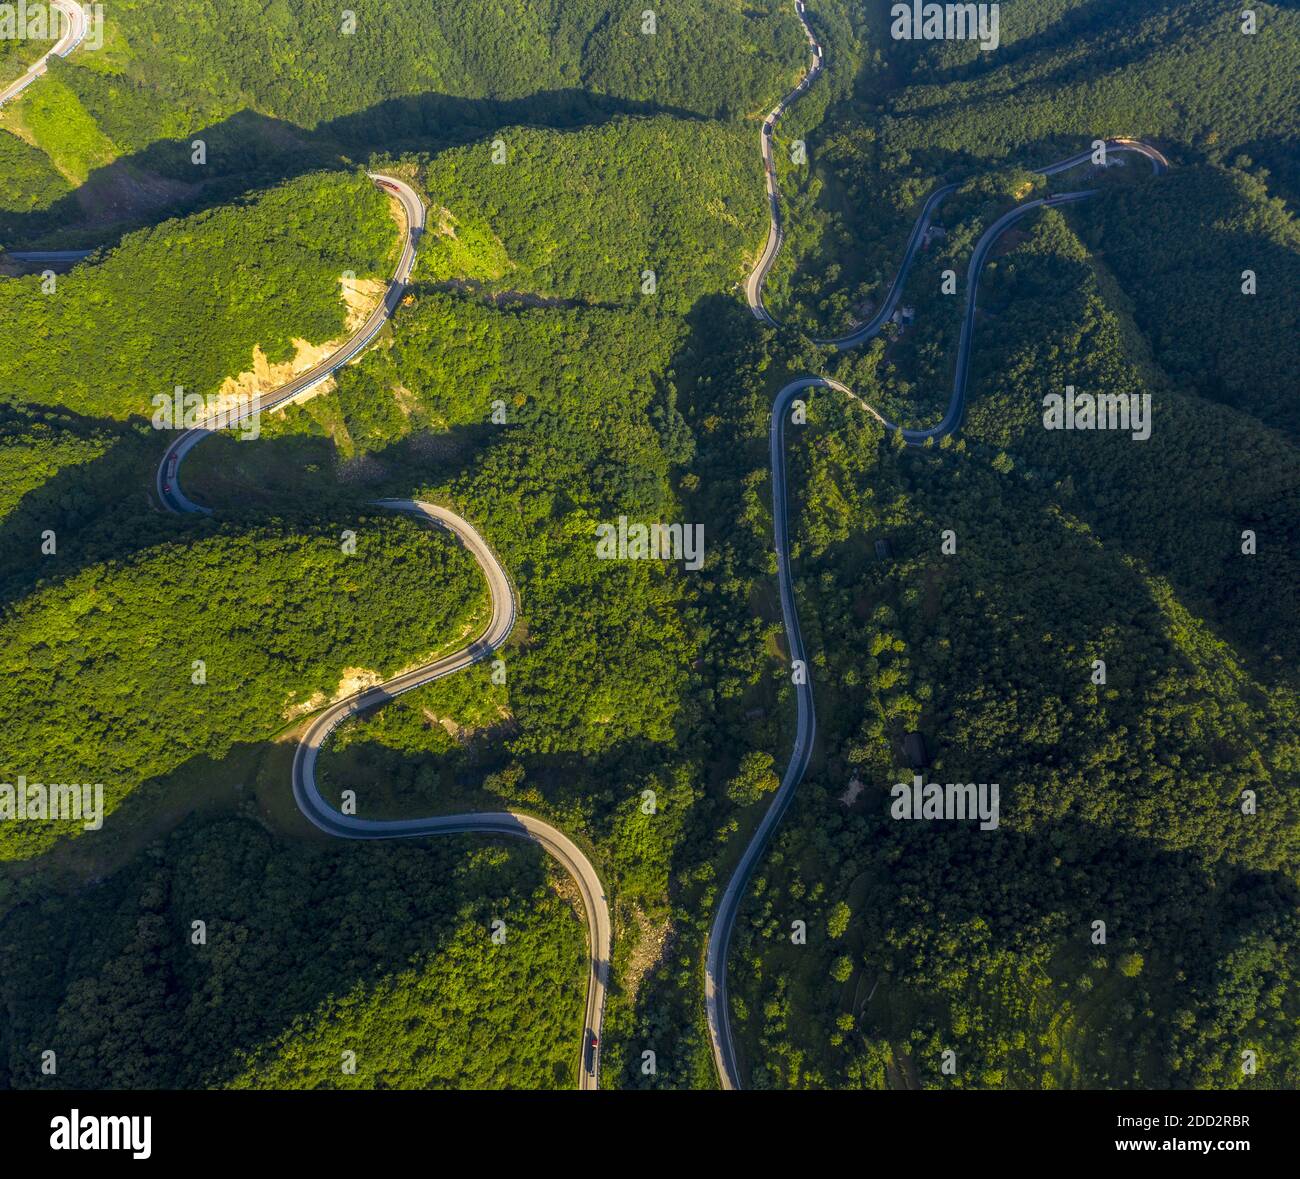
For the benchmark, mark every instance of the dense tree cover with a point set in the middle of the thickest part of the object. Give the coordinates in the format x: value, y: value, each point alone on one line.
x: 1181, y: 70
x: 589, y: 435
x: 413, y: 756
x: 99, y: 668
x: 1240, y: 349
x: 1120, y: 802
x: 16, y: 54
x: 1025, y: 27
x: 584, y: 215
x: 754, y: 779
x: 119, y: 121
x: 597, y: 702
x: 382, y: 950
x: 1180, y: 501
x: 743, y: 706
x: 635, y: 681
x: 34, y: 446
x: 847, y: 217
x: 94, y: 497
x: 908, y: 369
x: 404, y: 71
x: 627, y: 676
x: 1176, y: 71
x: 710, y: 56
x: 600, y: 690
x: 185, y: 303
x: 409, y: 758
x: 26, y: 34
x: 28, y: 179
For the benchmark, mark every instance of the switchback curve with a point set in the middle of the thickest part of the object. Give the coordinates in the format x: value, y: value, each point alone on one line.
x: 717, y: 1008
x: 73, y: 35
x: 504, y: 610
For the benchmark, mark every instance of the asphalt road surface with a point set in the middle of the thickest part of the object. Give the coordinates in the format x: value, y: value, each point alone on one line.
x: 74, y: 32
x: 563, y: 849
x: 504, y: 609
x: 504, y: 604
x: 717, y: 1006
x: 166, y: 483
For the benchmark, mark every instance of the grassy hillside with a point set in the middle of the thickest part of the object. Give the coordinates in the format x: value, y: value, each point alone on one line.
x: 50, y: 116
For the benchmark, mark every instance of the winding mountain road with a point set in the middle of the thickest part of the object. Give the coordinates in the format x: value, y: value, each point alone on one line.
x: 74, y: 32
x: 521, y: 826
x: 504, y: 603
x: 167, y: 484
x: 504, y: 607
x: 501, y: 623
x: 717, y: 1006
